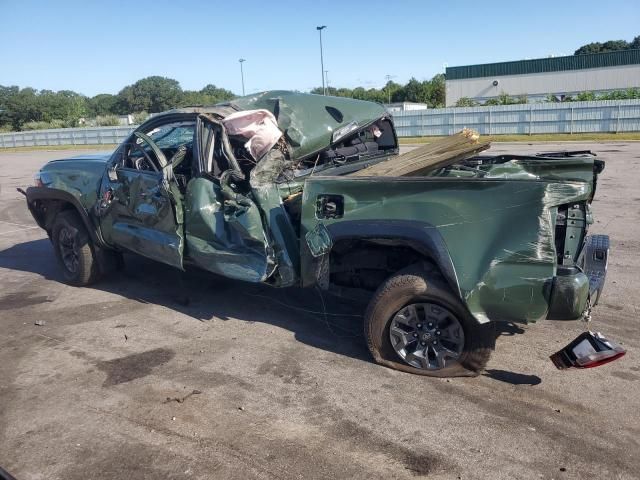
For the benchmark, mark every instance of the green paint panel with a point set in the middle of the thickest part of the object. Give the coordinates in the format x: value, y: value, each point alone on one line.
x: 79, y: 176
x: 499, y: 233
x: 144, y: 217
x: 225, y: 237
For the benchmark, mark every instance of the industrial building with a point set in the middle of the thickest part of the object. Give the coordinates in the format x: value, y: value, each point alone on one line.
x: 537, y: 79
x: 399, y: 107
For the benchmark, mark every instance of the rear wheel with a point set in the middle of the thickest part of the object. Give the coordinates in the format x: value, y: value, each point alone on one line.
x: 73, y: 249
x: 414, y: 323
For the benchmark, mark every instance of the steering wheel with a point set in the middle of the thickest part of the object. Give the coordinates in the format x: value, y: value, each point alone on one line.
x: 161, y: 159
x: 145, y: 162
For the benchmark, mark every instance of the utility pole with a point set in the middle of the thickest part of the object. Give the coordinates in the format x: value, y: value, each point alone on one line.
x: 388, y: 79
x: 242, y: 60
x: 326, y: 74
x: 320, y: 28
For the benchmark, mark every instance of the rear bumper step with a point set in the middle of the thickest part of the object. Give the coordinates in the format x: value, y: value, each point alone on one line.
x: 576, y: 288
x: 594, y: 260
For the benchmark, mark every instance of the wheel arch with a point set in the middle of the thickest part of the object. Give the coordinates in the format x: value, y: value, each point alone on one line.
x: 421, y: 237
x: 45, y: 203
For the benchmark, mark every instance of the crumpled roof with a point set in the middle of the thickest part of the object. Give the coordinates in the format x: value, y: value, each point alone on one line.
x: 308, y: 120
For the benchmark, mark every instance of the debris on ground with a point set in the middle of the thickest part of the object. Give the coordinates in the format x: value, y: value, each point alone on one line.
x: 40, y: 323
x: 182, y: 399
x: 429, y: 157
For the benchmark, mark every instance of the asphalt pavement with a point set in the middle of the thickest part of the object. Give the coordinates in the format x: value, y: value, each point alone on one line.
x: 124, y: 380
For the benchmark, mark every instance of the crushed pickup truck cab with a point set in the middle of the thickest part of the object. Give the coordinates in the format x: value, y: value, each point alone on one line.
x: 270, y: 188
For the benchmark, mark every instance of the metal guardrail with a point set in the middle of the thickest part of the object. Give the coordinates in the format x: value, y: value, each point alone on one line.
x: 66, y: 136
x: 609, y: 116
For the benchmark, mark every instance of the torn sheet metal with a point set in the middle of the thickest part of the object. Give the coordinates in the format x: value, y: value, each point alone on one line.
x: 226, y: 236
x: 267, y: 171
x: 282, y: 232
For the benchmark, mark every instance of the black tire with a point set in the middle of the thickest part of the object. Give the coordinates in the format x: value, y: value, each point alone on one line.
x: 74, y: 250
x: 420, y: 284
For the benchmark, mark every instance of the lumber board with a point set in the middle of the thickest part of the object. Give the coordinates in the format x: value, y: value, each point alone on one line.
x: 429, y: 157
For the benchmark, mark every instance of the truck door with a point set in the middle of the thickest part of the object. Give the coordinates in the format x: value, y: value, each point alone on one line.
x: 224, y: 229
x: 141, y: 208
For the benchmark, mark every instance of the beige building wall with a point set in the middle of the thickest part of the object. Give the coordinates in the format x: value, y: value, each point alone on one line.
x: 540, y: 84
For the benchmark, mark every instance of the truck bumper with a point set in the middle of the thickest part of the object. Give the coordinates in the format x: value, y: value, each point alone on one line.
x: 576, y: 288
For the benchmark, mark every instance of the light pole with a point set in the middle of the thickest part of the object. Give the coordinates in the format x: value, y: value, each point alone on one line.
x: 242, y: 60
x: 322, y: 27
x: 388, y: 78
x: 326, y: 76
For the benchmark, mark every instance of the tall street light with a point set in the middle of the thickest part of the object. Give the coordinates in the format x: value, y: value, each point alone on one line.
x: 242, y: 60
x: 388, y: 78
x: 324, y: 91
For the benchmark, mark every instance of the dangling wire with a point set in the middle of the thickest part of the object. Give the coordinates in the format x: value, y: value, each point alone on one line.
x: 315, y: 165
x: 326, y: 319
x: 330, y: 326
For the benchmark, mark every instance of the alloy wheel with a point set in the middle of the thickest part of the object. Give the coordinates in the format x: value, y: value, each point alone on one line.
x: 426, y: 336
x: 69, y: 249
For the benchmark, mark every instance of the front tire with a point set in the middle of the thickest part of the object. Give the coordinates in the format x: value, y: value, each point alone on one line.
x: 73, y: 249
x: 414, y: 323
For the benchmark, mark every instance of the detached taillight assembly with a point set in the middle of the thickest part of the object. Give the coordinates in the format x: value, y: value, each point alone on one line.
x: 588, y: 350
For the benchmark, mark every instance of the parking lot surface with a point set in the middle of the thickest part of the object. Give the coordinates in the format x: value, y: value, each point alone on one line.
x: 128, y: 380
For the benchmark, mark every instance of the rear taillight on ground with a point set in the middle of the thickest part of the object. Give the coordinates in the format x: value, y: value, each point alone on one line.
x: 590, y: 349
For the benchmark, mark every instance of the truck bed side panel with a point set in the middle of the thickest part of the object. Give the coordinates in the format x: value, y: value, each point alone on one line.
x: 499, y: 233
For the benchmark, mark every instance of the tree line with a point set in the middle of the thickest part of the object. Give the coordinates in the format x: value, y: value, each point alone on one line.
x: 608, y: 46
x: 431, y: 92
x: 28, y: 108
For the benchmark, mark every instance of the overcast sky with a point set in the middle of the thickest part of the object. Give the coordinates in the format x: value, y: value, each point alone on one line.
x: 100, y: 46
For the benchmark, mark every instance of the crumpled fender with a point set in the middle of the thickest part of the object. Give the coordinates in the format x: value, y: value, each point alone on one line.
x: 45, y: 193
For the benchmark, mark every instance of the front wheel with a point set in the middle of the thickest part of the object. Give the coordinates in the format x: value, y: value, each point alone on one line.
x: 414, y: 323
x: 73, y: 249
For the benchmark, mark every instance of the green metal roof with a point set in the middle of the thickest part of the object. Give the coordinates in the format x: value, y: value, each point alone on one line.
x: 542, y: 65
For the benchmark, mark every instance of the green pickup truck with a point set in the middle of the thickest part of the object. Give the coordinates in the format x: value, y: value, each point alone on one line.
x: 443, y: 256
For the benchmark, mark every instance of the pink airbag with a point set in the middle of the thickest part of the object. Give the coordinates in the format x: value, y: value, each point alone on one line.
x: 258, y: 126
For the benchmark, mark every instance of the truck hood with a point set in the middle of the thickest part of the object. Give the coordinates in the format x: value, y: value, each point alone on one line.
x: 309, y: 121
x: 100, y: 157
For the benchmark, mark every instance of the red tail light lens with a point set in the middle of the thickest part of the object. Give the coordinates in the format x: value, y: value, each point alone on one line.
x: 588, y: 350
